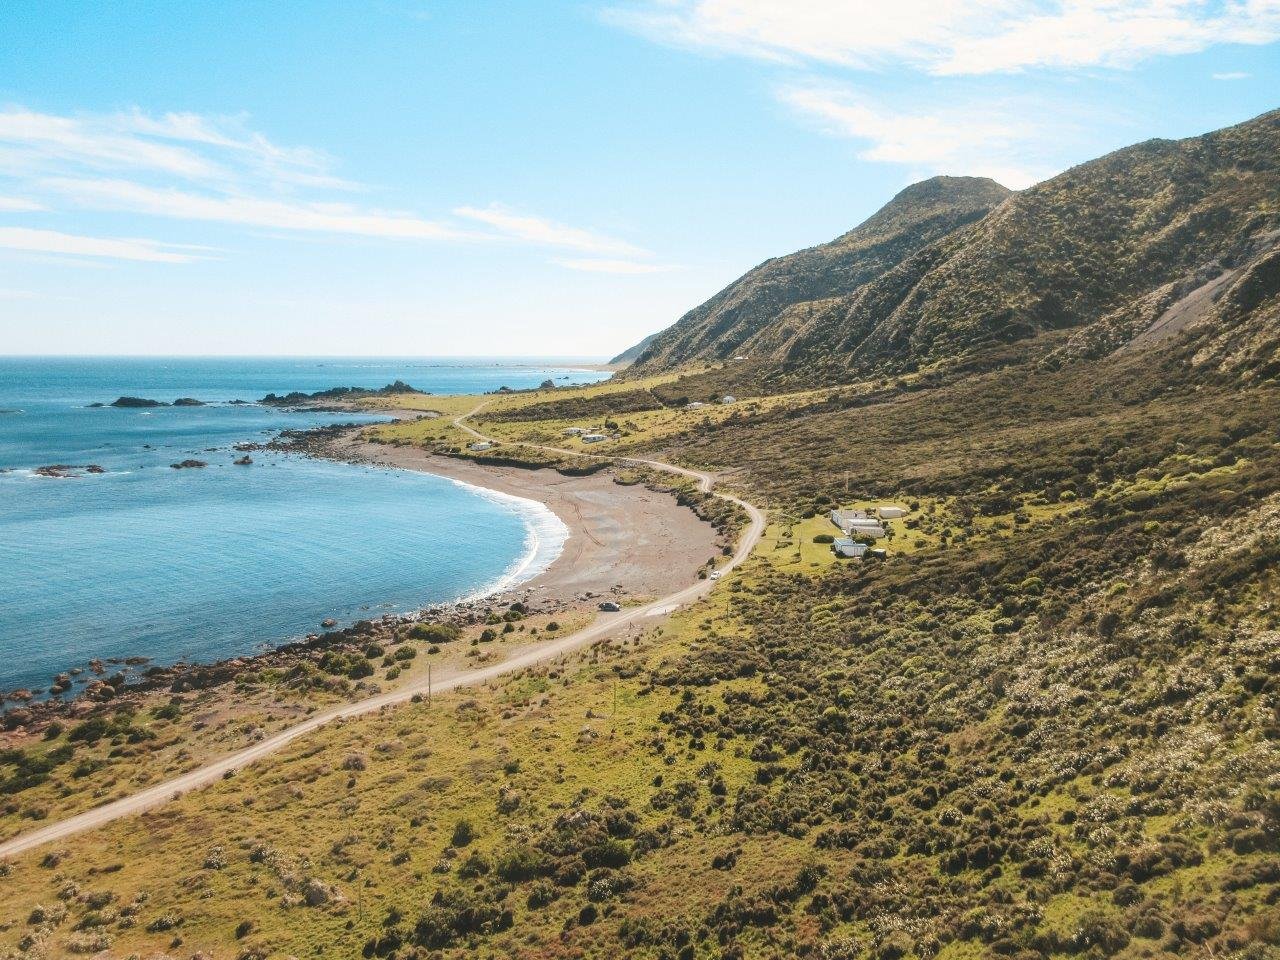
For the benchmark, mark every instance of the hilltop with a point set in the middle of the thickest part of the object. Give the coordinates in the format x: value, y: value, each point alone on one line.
x: 1114, y: 242
x: 730, y: 322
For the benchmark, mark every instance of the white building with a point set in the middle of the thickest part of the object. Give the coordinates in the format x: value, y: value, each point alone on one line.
x: 694, y: 405
x: 593, y: 437
x: 728, y: 399
x: 480, y: 445
x: 845, y: 547
x: 841, y: 517
x: 890, y: 512
x: 574, y: 432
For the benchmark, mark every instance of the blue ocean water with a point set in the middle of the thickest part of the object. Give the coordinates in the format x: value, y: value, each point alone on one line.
x: 203, y: 564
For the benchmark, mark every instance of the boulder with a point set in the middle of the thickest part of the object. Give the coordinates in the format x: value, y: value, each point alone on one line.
x: 188, y: 464
x: 244, y: 461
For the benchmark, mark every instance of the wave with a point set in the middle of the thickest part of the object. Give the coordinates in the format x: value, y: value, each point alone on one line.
x: 545, y: 536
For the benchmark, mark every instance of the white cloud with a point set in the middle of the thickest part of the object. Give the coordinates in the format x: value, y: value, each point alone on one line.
x: 953, y: 140
x: 115, y: 248
x: 954, y: 36
x: 621, y: 267
x: 1233, y: 75
x: 534, y: 229
x: 192, y: 167
x: 187, y: 146
x: 124, y: 195
x: 19, y: 205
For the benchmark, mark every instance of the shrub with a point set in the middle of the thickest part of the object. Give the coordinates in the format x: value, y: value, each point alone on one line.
x: 463, y: 833
x: 522, y: 863
x: 435, y: 632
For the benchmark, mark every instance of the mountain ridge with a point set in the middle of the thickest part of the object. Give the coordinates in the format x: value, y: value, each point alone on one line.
x: 1064, y: 254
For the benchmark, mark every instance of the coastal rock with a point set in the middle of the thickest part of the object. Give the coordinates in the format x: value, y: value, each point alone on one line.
x: 188, y: 402
x: 60, y: 470
x: 328, y: 623
x: 97, y: 405
x: 297, y: 397
x: 244, y: 461
x: 135, y: 402
x: 188, y: 464
x: 547, y: 384
x: 94, y: 468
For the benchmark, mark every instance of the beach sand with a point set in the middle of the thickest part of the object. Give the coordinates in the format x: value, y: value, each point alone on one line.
x: 625, y: 538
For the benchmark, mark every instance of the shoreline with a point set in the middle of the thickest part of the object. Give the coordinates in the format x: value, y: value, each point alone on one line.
x: 625, y: 543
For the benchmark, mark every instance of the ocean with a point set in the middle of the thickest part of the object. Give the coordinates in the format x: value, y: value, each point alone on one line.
x: 143, y: 560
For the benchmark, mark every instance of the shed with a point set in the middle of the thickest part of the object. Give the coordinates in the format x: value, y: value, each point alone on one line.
x: 593, y: 437
x: 480, y: 445
x: 844, y: 547
x: 890, y: 512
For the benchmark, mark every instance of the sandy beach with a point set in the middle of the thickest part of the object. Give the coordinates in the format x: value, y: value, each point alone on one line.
x: 624, y: 539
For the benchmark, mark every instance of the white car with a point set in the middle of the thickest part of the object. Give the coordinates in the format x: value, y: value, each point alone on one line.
x: 715, y: 575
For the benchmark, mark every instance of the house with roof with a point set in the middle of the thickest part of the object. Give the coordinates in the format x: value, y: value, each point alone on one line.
x: 845, y: 547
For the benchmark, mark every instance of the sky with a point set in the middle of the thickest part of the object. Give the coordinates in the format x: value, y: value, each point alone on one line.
x: 532, y: 177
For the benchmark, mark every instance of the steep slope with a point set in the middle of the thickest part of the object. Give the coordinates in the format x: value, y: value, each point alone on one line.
x: 1165, y: 216
x: 916, y: 217
x: 631, y: 354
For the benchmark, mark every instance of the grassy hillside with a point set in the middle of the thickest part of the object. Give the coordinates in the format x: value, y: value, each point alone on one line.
x: 1046, y: 725
x: 727, y: 323
x: 1158, y: 220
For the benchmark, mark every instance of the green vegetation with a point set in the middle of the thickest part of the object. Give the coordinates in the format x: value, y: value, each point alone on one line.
x: 1047, y: 724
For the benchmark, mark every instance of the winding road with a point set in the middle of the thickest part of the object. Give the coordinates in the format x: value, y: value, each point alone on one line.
x: 603, y: 626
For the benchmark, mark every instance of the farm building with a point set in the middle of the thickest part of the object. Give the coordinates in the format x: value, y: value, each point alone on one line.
x: 574, y: 432
x: 480, y: 445
x: 841, y: 517
x: 844, y: 547
x: 593, y: 437
x: 890, y: 512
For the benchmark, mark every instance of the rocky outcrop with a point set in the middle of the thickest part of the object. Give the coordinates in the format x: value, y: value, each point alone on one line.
x: 135, y: 402
x: 66, y: 470
x: 298, y: 398
x: 188, y: 464
x: 188, y: 402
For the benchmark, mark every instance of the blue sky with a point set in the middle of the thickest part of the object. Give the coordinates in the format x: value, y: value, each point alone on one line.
x: 530, y: 178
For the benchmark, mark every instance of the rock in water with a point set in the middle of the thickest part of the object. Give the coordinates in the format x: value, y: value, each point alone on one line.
x: 188, y: 464
x: 188, y: 402
x: 244, y: 461
x: 135, y: 402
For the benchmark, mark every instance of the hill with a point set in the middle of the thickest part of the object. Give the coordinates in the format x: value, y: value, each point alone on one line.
x: 632, y: 353
x: 1160, y: 220
x: 728, y: 323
